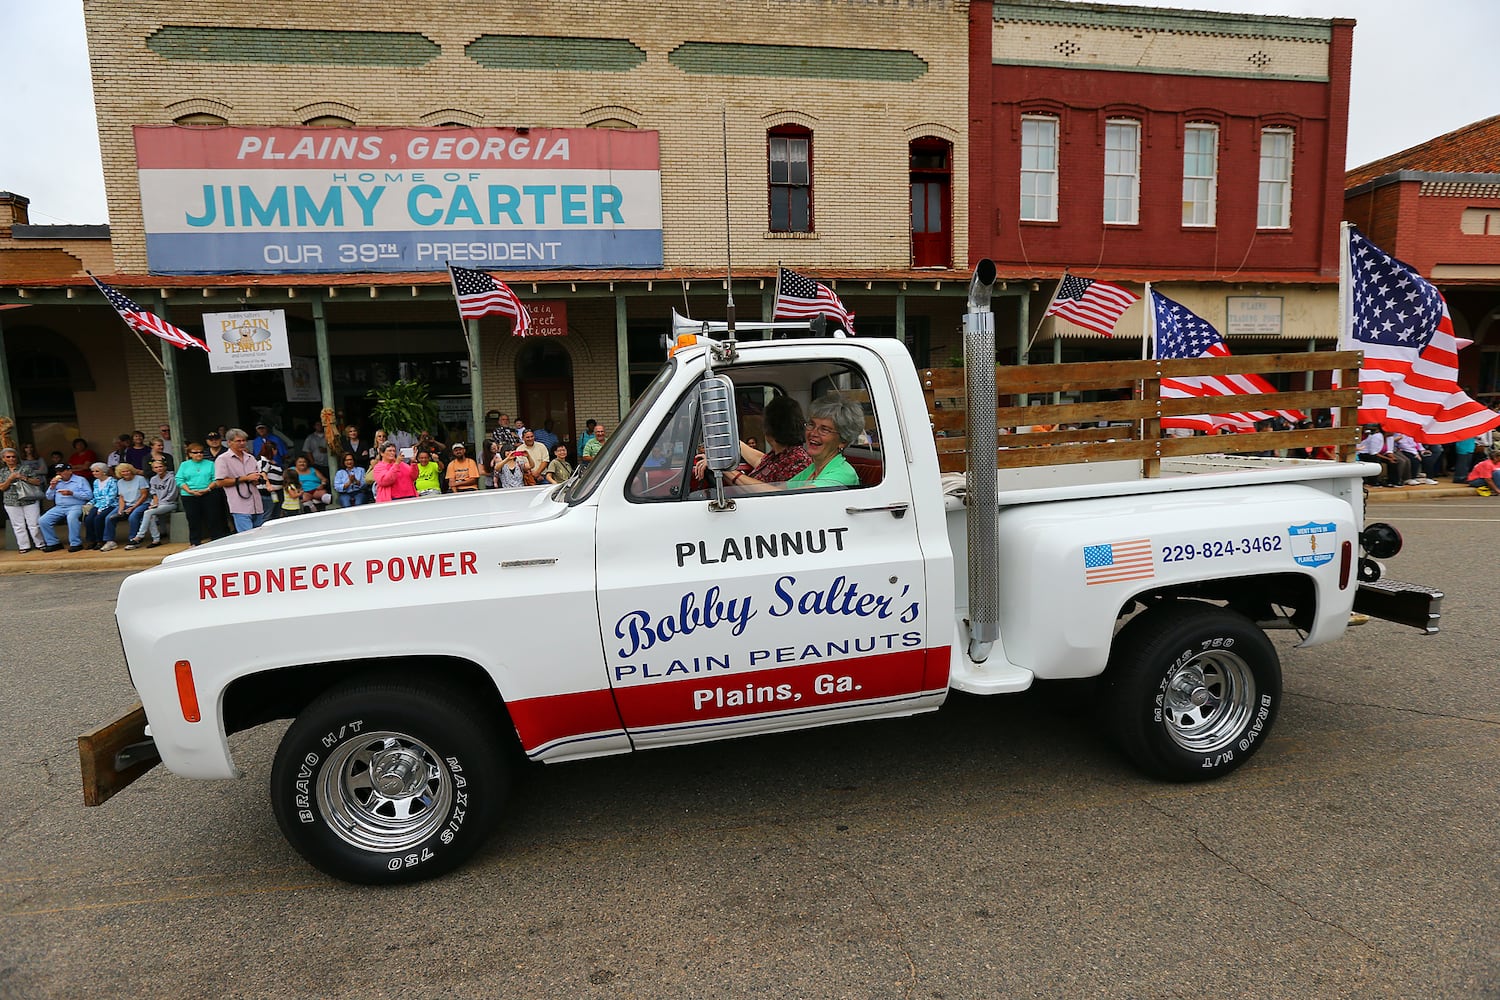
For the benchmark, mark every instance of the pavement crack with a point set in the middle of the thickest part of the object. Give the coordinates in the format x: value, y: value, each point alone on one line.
x: 1394, y: 708
x: 1267, y: 887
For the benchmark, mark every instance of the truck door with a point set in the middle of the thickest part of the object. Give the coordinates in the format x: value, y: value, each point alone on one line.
x: 797, y: 608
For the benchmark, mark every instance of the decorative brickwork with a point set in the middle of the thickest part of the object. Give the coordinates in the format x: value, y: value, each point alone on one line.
x: 286, y: 47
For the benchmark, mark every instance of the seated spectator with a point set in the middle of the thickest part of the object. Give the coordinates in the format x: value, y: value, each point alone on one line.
x: 69, y: 493
x: 349, y: 483
x: 511, y: 471
x: 314, y: 484
x: 135, y: 493
x: 105, y: 499
x: 1485, y: 477
x: 163, y: 489
x: 463, y: 472
x: 429, y: 475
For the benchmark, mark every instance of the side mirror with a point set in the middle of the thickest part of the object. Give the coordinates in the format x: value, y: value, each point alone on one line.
x: 721, y: 430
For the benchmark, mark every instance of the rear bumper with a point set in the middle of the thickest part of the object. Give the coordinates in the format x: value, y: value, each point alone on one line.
x: 1403, y: 603
x: 115, y: 754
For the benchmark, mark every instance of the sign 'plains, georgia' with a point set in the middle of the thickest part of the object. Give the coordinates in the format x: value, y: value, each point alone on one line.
x: 313, y: 200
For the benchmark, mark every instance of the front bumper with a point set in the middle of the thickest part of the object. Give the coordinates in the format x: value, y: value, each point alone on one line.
x: 113, y: 755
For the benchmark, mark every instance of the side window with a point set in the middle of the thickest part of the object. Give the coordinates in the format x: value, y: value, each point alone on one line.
x: 665, y: 471
x: 775, y: 404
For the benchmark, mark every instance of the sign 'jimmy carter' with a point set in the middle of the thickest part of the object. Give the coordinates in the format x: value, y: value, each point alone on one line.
x: 313, y: 200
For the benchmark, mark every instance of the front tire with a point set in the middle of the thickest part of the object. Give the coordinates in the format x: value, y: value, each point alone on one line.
x: 385, y: 782
x: 1192, y: 691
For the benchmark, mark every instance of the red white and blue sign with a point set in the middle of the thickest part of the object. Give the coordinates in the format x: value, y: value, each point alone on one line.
x: 333, y: 200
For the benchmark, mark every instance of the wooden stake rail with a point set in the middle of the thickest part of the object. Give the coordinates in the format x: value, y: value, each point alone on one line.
x: 1135, y: 432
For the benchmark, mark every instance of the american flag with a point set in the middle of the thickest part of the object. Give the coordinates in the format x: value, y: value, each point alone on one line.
x: 1114, y: 562
x: 479, y: 294
x: 1093, y: 305
x: 1181, y: 333
x: 800, y: 297
x: 1410, y: 373
x: 147, y: 322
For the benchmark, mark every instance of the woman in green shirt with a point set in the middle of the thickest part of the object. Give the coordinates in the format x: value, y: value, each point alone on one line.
x: 833, y: 423
x: 195, y: 486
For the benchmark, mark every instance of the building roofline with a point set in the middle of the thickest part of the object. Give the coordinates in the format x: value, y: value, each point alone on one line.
x: 1419, y: 176
x: 31, y: 231
x: 1201, y: 22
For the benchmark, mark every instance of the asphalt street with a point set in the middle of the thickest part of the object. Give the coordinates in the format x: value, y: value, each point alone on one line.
x: 998, y: 848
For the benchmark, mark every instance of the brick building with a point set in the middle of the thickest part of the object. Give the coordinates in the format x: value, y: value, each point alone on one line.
x: 1202, y: 152
x: 1437, y: 207
x: 829, y: 116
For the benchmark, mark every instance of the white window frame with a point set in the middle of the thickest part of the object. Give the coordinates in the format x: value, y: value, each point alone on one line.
x: 1122, y: 172
x: 1200, y: 191
x: 1039, y: 168
x: 1273, y: 204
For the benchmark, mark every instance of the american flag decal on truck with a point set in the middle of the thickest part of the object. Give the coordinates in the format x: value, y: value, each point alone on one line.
x: 1114, y: 562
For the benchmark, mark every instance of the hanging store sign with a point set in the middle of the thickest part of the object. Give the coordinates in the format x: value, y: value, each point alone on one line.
x: 549, y: 318
x: 246, y: 341
x: 330, y: 200
x: 1253, y: 316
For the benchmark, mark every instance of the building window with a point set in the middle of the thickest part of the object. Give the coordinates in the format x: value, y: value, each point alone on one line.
x: 1122, y: 172
x: 789, y: 155
x: 1274, y: 207
x: 1039, y: 169
x: 1200, y: 174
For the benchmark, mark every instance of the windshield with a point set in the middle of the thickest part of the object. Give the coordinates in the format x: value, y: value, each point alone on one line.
x: 590, y: 474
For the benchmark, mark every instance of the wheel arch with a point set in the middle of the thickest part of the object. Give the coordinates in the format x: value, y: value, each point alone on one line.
x: 283, y: 692
x: 1254, y: 597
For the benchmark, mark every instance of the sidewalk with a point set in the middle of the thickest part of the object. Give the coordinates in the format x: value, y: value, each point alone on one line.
x: 13, y: 563
x: 1403, y: 494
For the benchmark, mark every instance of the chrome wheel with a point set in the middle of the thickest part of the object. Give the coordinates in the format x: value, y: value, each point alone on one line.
x: 1208, y: 701
x: 384, y: 791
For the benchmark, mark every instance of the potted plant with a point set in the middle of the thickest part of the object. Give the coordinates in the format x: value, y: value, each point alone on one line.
x: 403, y: 406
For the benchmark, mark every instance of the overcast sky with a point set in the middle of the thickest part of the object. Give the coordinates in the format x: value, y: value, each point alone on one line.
x: 1419, y: 71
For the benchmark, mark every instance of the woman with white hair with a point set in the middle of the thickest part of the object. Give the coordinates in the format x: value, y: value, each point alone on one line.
x: 22, y: 489
x: 833, y: 423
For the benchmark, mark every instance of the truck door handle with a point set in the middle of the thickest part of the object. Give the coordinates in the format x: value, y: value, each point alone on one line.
x: 896, y: 510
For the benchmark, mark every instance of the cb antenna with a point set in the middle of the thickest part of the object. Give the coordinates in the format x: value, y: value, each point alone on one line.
x: 728, y: 243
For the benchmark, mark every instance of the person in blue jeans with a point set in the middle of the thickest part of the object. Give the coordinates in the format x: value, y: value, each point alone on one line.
x: 69, y: 494
x: 1463, y: 458
x: 349, y: 484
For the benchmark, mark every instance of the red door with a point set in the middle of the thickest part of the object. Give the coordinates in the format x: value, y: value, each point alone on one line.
x: 931, y: 202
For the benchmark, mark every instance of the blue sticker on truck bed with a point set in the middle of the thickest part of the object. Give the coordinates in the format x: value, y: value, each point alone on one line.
x: 1313, y: 543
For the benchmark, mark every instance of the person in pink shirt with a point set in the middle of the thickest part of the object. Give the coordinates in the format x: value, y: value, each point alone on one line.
x: 1485, y: 477
x: 395, y: 478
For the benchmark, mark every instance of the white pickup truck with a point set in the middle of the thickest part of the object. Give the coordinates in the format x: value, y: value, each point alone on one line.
x: 635, y: 607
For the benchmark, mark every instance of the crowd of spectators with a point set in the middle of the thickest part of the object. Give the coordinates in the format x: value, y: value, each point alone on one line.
x: 233, y: 480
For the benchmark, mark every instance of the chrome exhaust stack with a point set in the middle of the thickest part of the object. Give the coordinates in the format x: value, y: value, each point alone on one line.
x: 982, y: 479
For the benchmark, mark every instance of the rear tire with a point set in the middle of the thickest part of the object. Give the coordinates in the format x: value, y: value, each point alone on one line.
x: 1192, y: 691
x: 385, y: 782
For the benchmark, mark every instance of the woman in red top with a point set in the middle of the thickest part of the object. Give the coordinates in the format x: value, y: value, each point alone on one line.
x: 395, y: 478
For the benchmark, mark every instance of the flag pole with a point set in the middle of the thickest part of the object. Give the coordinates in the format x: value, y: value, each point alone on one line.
x: 132, y: 329
x: 777, y: 298
x: 1346, y: 319
x: 1037, y: 332
x: 1148, y: 341
x: 462, y: 325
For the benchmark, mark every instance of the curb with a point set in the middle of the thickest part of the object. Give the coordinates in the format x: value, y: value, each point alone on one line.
x: 14, y: 563
x: 1406, y: 494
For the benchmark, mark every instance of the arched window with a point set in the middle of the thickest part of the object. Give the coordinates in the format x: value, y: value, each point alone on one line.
x: 200, y: 118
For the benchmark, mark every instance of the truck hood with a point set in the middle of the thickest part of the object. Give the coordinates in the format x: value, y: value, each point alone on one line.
x: 375, y: 521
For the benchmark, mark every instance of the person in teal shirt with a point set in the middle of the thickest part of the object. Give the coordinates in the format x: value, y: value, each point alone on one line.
x: 195, y: 485
x: 833, y: 424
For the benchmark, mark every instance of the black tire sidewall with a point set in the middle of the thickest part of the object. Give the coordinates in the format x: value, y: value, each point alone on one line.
x: 441, y: 720
x: 1147, y: 651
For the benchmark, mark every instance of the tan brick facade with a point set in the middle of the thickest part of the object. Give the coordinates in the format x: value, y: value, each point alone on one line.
x: 866, y: 77
x: 861, y: 127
